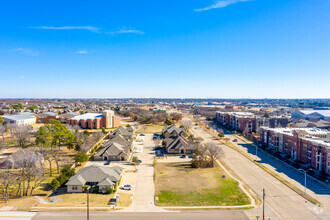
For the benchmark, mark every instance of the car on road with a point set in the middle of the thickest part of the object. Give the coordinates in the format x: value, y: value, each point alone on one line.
x: 126, y: 187
x: 183, y: 156
x: 235, y: 140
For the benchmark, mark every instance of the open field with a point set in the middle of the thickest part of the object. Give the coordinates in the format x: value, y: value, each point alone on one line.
x: 150, y: 129
x: 177, y: 184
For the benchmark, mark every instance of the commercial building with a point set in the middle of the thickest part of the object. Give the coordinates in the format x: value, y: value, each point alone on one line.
x: 46, y: 116
x: 106, y: 119
x: 312, y: 114
x: 310, y: 146
x: 23, y: 118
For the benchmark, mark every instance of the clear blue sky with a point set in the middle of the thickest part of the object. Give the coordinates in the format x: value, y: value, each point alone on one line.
x: 172, y: 48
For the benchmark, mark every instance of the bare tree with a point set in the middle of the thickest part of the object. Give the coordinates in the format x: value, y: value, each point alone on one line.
x: 187, y: 124
x: 3, y: 131
x: 215, y: 152
x: 47, y: 155
x: 7, y: 179
x: 21, y: 134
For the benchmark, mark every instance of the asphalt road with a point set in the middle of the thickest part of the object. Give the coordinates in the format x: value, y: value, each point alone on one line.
x: 281, y: 201
x: 237, y: 215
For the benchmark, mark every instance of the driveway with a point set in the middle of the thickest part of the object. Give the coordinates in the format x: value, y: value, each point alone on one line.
x: 144, y: 192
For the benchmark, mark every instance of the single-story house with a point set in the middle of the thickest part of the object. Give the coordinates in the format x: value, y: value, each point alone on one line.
x: 126, y: 132
x: 179, y: 145
x: 16, y: 160
x: 94, y: 175
x: 117, y: 148
x: 173, y: 131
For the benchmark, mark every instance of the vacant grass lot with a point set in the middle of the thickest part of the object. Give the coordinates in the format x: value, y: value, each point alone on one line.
x: 179, y: 185
x: 150, y: 129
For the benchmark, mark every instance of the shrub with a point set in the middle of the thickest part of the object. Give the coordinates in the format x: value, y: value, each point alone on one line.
x: 62, y: 178
x: 85, y: 188
x: 194, y: 164
x: 115, y: 188
x: 104, y: 131
x: 135, y: 159
x: 110, y: 190
x: 154, y: 163
x: 81, y: 157
x: 68, y: 171
x: 55, y: 184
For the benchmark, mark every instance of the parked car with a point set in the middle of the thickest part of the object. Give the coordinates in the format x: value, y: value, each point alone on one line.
x: 140, y: 161
x: 183, y: 156
x: 142, y: 135
x: 196, y: 124
x: 107, y: 163
x: 235, y: 140
x: 126, y: 187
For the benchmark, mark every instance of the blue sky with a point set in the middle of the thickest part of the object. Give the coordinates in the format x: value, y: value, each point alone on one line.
x: 173, y: 48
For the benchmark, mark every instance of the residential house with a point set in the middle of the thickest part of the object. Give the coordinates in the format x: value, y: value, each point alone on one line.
x: 98, y: 176
x: 125, y: 132
x: 116, y: 149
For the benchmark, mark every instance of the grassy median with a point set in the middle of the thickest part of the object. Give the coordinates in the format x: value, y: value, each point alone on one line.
x: 177, y: 184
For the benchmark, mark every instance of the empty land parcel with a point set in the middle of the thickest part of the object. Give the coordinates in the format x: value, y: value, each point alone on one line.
x: 177, y: 184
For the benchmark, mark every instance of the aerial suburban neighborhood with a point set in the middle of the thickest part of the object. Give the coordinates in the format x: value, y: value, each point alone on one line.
x: 181, y: 110
x: 192, y: 154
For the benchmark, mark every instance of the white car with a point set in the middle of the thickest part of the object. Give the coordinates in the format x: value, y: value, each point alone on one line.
x: 126, y: 187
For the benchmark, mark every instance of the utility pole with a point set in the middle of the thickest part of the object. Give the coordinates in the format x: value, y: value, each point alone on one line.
x: 88, y: 202
x: 263, y: 203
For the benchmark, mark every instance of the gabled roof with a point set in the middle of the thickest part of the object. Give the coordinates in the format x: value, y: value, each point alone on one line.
x: 181, y: 141
x: 106, y: 182
x: 95, y: 173
x: 173, y: 128
x: 124, y: 131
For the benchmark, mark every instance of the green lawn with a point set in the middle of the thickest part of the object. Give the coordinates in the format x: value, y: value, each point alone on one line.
x: 179, y: 185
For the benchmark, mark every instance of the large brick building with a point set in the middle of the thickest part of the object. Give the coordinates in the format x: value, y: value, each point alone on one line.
x: 310, y: 146
x: 46, y: 116
x: 106, y: 119
x: 248, y: 122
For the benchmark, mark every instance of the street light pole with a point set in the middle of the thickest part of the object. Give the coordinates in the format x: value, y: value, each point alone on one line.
x: 305, y: 171
x: 263, y: 203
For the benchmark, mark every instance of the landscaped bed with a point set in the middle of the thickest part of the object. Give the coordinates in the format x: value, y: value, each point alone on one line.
x: 177, y: 184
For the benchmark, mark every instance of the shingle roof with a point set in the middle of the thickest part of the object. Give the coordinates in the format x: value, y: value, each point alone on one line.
x: 95, y: 173
x: 106, y: 182
x: 124, y: 131
x: 173, y: 128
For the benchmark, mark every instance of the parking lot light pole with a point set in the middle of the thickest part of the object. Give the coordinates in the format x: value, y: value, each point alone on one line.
x: 305, y: 171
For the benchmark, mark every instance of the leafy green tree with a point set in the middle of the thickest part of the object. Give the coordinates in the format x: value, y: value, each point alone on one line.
x: 81, y: 157
x: 266, y: 115
x: 104, y: 131
x: 1, y: 121
x: 86, y: 133
x: 168, y: 122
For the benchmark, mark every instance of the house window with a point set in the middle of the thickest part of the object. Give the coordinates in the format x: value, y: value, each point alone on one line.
x: 74, y: 187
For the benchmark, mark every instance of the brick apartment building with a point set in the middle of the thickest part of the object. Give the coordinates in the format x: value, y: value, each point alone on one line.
x: 106, y: 119
x: 247, y: 121
x: 310, y: 146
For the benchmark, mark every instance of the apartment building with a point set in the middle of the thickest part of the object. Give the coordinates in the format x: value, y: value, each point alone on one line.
x: 248, y: 122
x: 239, y: 121
x: 310, y: 146
x: 106, y: 119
